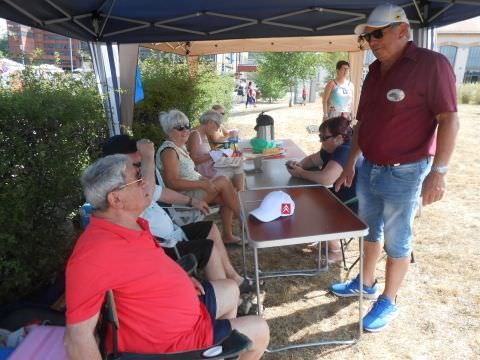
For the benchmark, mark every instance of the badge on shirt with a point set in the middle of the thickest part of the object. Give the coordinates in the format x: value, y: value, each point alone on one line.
x: 395, y: 95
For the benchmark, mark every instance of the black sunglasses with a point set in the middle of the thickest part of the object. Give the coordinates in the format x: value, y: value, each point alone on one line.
x: 325, y: 138
x: 182, y: 127
x: 376, y: 34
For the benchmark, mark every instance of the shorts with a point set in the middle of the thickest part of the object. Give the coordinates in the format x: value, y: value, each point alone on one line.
x: 388, y: 197
x: 197, y: 243
x: 221, y: 327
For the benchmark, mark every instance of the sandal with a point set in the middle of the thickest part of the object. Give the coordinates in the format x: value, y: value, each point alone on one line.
x: 246, y: 307
x: 247, y: 286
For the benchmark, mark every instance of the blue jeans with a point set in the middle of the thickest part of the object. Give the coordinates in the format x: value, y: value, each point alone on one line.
x: 388, y: 197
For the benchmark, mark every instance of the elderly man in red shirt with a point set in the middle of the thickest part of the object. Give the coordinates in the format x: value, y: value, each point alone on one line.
x: 158, y: 305
x: 407, y: 126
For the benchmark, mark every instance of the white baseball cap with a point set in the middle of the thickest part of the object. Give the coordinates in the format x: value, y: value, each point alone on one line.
x: 383, y: 15
x: 273, y: 206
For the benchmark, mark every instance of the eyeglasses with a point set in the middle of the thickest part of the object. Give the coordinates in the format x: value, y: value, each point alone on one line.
x: 182, y: 127
x: 325, y: 137
x: 139, y: 181
x: 376, y: 34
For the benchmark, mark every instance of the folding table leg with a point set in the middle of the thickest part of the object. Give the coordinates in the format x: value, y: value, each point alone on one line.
x: 257, y: 281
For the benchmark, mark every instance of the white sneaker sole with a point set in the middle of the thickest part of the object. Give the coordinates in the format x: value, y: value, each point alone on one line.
x: 392, y: 317
x: 355, y: 294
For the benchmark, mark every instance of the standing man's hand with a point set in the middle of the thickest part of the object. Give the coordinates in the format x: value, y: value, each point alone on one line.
x: 433, y: 188
x: 345, y: 178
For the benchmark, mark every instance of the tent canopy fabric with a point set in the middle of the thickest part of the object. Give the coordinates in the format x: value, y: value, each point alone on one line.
x: 141, y: 21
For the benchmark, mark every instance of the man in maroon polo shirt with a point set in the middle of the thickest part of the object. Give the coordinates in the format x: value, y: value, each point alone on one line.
x: 407, y: 125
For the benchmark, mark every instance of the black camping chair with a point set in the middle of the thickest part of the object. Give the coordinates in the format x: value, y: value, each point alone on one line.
x: 229, y: 348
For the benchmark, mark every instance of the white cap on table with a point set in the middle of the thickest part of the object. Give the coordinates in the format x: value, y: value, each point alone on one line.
x: 276, y: 204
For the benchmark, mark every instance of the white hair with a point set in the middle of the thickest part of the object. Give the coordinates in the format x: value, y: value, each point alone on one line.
x: 168, y: 120
x: 211, y: 115
x: 102, y: 177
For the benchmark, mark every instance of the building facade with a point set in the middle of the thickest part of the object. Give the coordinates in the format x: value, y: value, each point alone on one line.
x: 26, y: 43
x: 460, y: 43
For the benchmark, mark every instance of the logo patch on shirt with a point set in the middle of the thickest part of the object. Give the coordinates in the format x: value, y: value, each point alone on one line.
x: 286, y: 210
x: 395, y: 95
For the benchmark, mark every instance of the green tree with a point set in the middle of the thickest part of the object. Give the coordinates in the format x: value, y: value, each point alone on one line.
x: 288, y: 67
x: 329, y: 61
x: 4, y: 46
x: 168, y: 85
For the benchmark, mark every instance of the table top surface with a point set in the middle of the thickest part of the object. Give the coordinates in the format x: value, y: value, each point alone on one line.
x: 274, y: 174
x: 318, y: 216
x: 292, y: 151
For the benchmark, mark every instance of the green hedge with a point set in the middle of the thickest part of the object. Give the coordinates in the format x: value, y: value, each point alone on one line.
x: 468, y: 93
x: 168, y: 85
x: 50, y: 130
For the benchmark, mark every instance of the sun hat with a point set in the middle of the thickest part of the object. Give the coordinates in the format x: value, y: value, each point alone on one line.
x: 383, y: 15
x: 273, y: 206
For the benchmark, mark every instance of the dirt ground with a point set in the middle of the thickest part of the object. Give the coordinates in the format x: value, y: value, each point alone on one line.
x: 439, y: 301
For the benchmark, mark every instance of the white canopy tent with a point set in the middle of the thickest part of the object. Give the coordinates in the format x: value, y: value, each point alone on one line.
x: 127, y: 57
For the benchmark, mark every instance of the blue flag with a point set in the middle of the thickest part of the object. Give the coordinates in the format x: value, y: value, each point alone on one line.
x: 138, y: 86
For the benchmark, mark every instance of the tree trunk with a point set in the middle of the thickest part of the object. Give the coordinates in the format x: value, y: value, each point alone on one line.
x: 290, y: 103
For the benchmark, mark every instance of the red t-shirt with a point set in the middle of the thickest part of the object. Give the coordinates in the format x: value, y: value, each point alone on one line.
x: 157, y: 304
x: 397, y: 110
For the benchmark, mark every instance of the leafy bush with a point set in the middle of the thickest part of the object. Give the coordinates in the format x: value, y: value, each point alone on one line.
x: 168, y: 85
x: 468, y: 93
x: 50, y: 130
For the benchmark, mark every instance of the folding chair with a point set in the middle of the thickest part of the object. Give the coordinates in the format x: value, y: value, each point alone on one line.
x: 229, y: 348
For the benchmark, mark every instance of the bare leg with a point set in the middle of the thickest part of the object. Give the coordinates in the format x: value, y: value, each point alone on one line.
x: 396, y: 269
x: 214, y: 270
x: 372, y: 251
x: 256, y: 329
x: 239, y: 182
x: 227, y: 221
x: 226, y: 294
x: 230, y: 272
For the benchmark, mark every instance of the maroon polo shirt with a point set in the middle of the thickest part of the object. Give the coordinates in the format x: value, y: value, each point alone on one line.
x: 397, y: 110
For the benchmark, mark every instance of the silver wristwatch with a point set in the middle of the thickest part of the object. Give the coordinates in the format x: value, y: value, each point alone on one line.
x: 441, y: 169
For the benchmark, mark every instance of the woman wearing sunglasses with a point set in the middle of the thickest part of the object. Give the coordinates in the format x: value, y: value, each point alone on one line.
x: 338, y: 94
x: 178, y: 171
x: 325, y: 166
x: 199, y: 148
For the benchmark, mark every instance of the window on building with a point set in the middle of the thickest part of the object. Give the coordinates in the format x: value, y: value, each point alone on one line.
x: 450, y: 53
x: 472, y: 70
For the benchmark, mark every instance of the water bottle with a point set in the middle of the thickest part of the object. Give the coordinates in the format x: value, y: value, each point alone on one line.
x: 85, y: 212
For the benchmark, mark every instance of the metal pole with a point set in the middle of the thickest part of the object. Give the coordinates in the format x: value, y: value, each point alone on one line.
x: 71, y: 53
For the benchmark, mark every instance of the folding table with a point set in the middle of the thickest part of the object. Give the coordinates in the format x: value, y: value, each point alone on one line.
x: 319, y: 216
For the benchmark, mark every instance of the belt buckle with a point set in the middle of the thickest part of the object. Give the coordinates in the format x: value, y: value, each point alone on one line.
x: 397, y: 164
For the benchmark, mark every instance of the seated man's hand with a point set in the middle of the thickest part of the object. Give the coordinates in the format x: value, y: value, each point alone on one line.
x: 198, y: 286
x: 146, y: 148
x: 201, y: 205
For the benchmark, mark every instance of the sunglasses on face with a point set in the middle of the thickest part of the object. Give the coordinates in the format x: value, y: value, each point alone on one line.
x: 182, y: 127
x: 376, y: 34
x: 325, y: 137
